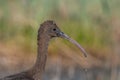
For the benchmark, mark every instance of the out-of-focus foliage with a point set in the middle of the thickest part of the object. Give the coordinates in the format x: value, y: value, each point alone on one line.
x: 95, y: 24
x: 88, y: 22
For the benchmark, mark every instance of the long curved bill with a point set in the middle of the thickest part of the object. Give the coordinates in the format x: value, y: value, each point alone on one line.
x: 74, y: 42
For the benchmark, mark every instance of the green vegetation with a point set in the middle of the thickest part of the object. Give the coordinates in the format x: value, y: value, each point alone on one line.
x: 93, y: 23
x: 86, y: 21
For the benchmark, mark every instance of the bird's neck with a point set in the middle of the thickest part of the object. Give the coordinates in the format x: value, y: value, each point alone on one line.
x: 39, y: 66
x: 42, y: 53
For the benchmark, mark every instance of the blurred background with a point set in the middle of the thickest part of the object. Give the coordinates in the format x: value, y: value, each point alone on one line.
x: 95, y: 24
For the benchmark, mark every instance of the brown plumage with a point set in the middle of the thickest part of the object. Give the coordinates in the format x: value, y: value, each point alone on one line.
x: 47, y: 31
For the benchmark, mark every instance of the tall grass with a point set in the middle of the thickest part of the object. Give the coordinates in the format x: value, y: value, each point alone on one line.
x: 90, y: 22
x: 86, y: 21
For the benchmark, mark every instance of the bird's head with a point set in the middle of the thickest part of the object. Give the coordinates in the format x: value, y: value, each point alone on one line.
x: 50, y: 28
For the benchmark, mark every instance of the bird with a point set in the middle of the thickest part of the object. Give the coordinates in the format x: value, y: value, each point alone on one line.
x: 48, y: 30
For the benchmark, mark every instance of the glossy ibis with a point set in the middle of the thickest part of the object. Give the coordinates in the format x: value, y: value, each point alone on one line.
x: 46, y: 32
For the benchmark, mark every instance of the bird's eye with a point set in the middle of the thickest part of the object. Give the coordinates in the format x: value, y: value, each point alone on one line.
x: 54, y: 29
